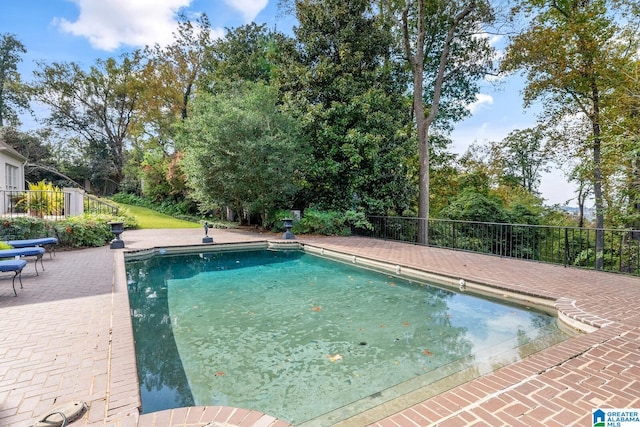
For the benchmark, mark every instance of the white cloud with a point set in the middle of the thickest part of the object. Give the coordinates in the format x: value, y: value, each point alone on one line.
x: 249, y: 8
x: 110, y: 24
x: 481, y: 99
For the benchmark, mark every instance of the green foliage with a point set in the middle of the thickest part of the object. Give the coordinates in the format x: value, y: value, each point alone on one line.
x: 41, y: 164
x: 351, y: 103
x: 182, y: 210
x: 95, y: 109
x: 249, y: 53
x: 43, y: 198
x: 24, y: 227
x: 357, y: 219
x: 14, y: 96
x: 330, y: 223
x: 132, y: 199
x: 84, y: 231
x: 274, y: 220
x: 471, y: 206
x: 74, y: 232
x: 240, y: 150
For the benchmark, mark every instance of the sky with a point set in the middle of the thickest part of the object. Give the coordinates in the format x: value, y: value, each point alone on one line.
x: 85, y: 30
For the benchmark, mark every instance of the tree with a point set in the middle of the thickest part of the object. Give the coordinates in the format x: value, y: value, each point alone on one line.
x: 41, y: 164
x: 13, y: 93
x: 97, y: 107
x: 568, y: 141
x: 350, y: 100
x: 172, y: 73
x: 625, y: 154
x: 521, y: 158
x: 171, y: 78
x: 249, y: 53
x: 244, y: 152
x: 442, y: 43
x: 574, y: 51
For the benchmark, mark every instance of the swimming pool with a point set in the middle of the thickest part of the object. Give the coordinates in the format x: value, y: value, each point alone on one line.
x: 307, y: 339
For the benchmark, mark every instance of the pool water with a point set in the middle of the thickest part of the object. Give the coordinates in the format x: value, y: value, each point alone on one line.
x: 303, y: 338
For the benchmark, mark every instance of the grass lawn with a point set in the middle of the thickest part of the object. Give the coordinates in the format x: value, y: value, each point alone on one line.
x: 148, y: 218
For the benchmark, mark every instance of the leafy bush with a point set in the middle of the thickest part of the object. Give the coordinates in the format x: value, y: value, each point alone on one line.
x: 87, y: 230
x: 84, y: 231
x: 357, y: 219
x: 273, y: 221
x: 25, y: 227
x: 132, y: 199
x: 43, y: 198
x: 330, y: 223
x: 472, y: 206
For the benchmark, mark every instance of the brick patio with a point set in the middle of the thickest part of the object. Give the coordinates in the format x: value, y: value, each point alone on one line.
x: 67, y: 337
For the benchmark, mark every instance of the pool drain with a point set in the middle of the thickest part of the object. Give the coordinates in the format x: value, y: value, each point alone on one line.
x: 63, y: 415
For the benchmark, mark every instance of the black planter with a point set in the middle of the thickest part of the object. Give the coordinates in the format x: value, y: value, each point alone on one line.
x: 288, y: 223
x: 117, y: 228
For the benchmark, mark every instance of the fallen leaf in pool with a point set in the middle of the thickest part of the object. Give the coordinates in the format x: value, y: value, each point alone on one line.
x: 219, y: 374
x: 427, y: 353
x: 334, y: 357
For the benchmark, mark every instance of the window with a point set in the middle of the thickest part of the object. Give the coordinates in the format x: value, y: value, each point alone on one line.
x: 11, y: 177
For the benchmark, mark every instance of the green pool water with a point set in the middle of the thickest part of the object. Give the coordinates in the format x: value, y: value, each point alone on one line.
x: 306, y: 339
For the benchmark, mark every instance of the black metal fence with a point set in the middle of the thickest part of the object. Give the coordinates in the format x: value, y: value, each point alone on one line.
x: 53, y: 205
x: 569, y: 246
x: 93, y: 204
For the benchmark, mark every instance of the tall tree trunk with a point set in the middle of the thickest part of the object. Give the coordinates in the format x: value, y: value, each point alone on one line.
x: 423, y: 159
x: 597, y: 192
x: 597, y: 177
x: 414, y: 51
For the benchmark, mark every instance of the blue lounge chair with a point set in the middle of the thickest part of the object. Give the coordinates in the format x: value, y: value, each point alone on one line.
x: 35, y: 251
x: 15, y: 265
x: 49, y: 243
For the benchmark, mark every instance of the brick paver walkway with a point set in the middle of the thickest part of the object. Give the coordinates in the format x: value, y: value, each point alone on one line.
x: 67, y: 337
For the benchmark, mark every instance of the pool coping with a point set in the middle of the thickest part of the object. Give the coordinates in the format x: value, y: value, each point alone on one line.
x: 66, y: 337
x: 597, y: 330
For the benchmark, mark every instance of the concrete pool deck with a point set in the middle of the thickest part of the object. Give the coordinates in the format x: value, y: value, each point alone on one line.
x: 67, y: 337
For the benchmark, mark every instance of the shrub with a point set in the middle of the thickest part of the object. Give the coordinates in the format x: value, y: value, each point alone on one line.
x: 89, y: 230
x: 330, y: 223
x: 42, y: 199
x: 24, y: 227
x: 273, y: 221
x: 84, y: 231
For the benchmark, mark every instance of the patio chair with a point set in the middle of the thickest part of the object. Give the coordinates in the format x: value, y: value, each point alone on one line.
x: 35, y: 251
x: 15, y: 265
x: 49, y: 243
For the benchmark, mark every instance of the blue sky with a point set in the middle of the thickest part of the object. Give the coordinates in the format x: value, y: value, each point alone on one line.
x: 84, y: 30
